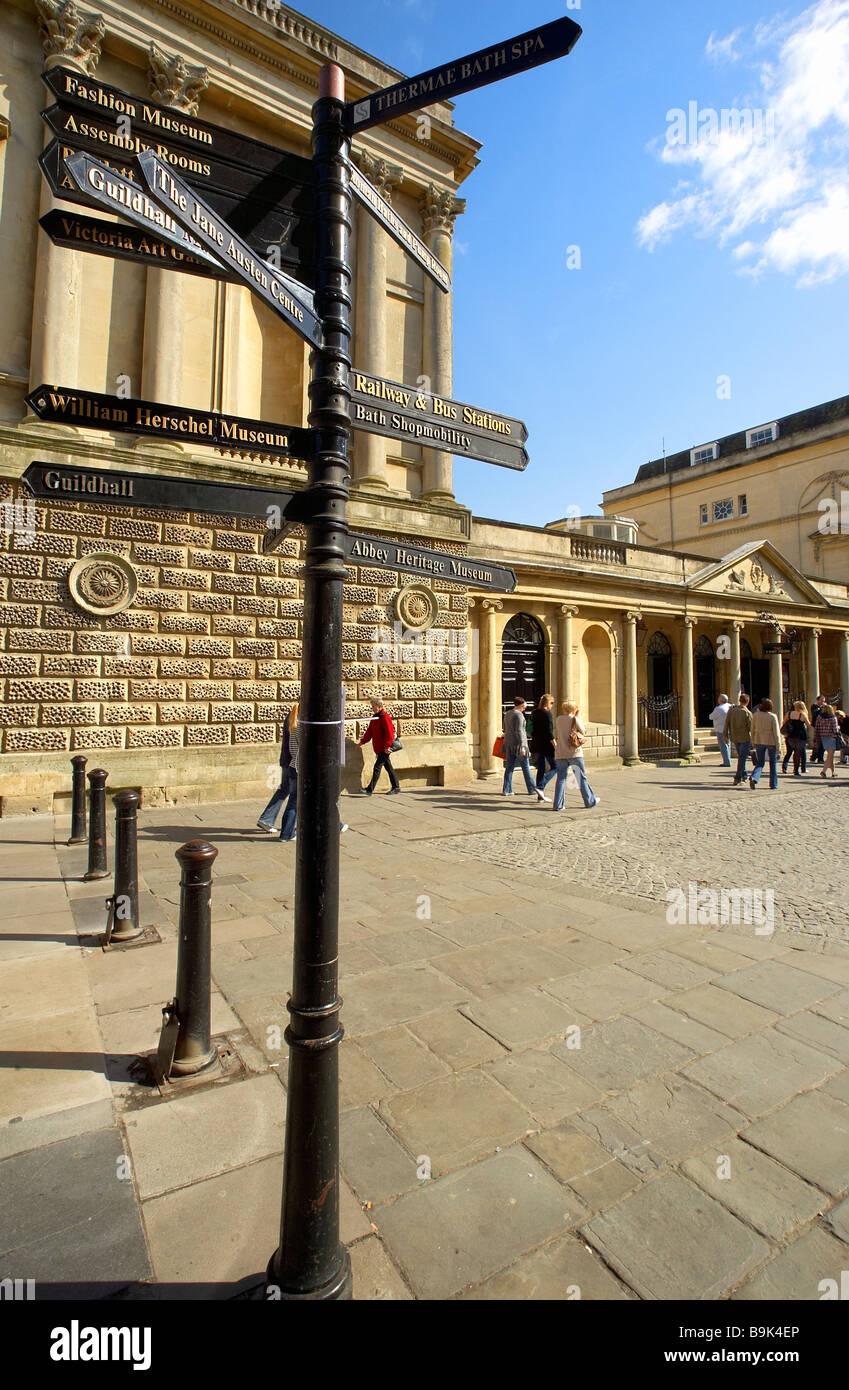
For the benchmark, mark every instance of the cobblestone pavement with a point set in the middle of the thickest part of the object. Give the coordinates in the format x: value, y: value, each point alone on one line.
x: 794, y: 844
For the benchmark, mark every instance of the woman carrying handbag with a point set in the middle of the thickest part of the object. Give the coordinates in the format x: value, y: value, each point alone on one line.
x: 570, y: 739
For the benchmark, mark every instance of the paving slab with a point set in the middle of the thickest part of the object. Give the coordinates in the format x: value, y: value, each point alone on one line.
x: 42, y: 986
x: 614, y: 1056
x: 417, y: 943
x: 712, y: 953
x: 456, y: 1119
x: 800, y: 1271
x: 838, y: 1086
x: 200, y: 1134
x: 244, y: 979
x: 669, y: 1118
x: 722, y: 1010
x: 687, y: 1031
x: 830, y: 967
x: 402, y: 1057
x: 500, y: 966
x: 51, y: 1064
x: 581, y: 1163
x: 819, y: 1032
x: 462, y: 1228
x: 19, y: 1135
x: 758, y: 1190
x: 475, y: 929
x: 697, y: 1249
x: 521, y: 1017
x: 123, y: 980
x: 457, y: 1040
x: 762, y: 1071
x: 605, y: 992
x: 670, y: 970
x: 787, y: 1136
x: 360, y: 1081
x: 838, y: 1220
x: 835, y: 1007
x: 77, y: 1185
x: 373, y: 1161
x: 550, y: 1090
x: 780, y: 988
x: 562, y: 1271
x: 375, y: 1278
x: 136, y: 1031
x: 397, y: 995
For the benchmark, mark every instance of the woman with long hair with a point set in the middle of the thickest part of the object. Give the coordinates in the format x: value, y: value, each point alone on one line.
x: 543, y: 742
x: 569, y: 742
x: 795, y: 730
x: 827, y: 730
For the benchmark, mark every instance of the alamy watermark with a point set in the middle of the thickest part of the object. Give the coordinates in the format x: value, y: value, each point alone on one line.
x: 834, y: 515
x: 722, y: 907
x: 706, y: 126
x: 18, y: 519
x: 398, y: 647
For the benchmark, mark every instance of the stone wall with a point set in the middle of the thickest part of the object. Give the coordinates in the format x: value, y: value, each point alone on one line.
x: 206, y: 659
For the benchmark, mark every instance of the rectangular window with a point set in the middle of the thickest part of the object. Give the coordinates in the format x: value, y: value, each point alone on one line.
x: 764, y: 434
x: 703, y: 513
x: 742, y: 505
x: 723, y: 510
x: 706, y: 453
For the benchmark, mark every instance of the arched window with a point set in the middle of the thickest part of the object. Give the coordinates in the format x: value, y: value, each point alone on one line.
x: 745, y: 650
x: 659, y: 665
x: 704, y: 647
x: 523, y: 660
x: 704, y: 674
x: 524, y: 631
x: 659, y: 645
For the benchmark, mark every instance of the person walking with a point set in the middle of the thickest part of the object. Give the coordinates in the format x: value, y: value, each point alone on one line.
x: 766, y: 737
x: 795, y: 730
x: 516, y: 751
x: 738, y: 729
x: 290, y: 812
x: 543, y: 743
x: 267, y: 820
x: 381, y: 734
x: 843, y: 725
x: 817, y: 708
x: 718, y: 717
x: 827, y: 732
x: 570, y: 737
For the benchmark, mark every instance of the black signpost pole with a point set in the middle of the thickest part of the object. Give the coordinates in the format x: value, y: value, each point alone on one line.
x: 310, y: 1261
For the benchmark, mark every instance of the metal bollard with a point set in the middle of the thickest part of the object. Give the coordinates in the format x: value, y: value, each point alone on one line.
x: 78, y: 828
x: 97, y: 826
x: 190, y: 1009
x: 123, y: 921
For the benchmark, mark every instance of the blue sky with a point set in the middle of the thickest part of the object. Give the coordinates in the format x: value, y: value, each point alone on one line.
x: 724, y: 256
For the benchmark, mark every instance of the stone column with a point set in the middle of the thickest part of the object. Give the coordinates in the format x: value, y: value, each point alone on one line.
x: 439, y: 209
x: 688, y: 710
x: 776, y: 679
x: 567, y: 673
x: 735, y: 668
x: 488, y: 697
x: 844, y: 668
x: 630, y: 750
x: 71, y: 38
x: 172, y: 83
x: 370, y: 340
x: 813, y: 666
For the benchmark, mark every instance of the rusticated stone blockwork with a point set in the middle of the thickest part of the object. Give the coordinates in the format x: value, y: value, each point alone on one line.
x: 209, y: 654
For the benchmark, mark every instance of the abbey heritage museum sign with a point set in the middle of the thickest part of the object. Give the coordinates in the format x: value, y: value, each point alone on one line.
x: 154, y: 419
x: 529, y: 50
x: 381, y: 553
x: 401, y: 412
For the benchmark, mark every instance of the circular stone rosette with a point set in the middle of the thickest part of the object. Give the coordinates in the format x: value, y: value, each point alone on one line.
x: 416, y: 608
x: 103, y: 584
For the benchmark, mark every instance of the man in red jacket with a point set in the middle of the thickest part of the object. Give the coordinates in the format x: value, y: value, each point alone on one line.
x: 381, y: 733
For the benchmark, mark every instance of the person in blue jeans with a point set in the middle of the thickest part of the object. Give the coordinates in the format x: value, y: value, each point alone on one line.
x: 718, y: 717
x: 269, y: 815
x: 516, y: 751
x: 766, y: 736
x: 738, y: 729
x: 290, y: 814
x: 570, y: 738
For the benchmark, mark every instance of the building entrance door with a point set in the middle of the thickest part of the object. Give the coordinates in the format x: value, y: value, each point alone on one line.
x: 755, y: 674
x: 523, y: 661
x: 704, y: 673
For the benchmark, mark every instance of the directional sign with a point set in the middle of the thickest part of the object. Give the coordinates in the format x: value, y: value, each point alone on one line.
x: 124, y: 489
x: 525, y: 51
x: 401, y: 412
x: 92, y: 410
x: 380, y: 553
x: 290, y: 300
x: 397, y: 228
x: 124, y: 244
x: 108, y: 190
x: 272, y: 209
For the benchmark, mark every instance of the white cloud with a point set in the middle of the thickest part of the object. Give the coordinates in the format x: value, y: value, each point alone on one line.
x: 723, y: 50
x: 775, y: 194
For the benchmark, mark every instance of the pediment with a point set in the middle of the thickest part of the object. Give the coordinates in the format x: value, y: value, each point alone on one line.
x: 757, y: 570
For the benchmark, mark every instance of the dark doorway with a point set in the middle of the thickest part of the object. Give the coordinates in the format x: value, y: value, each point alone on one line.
x: 704, y: 673
x: 523, y: 661
x: 659, y: 665
x: 755, y: 675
